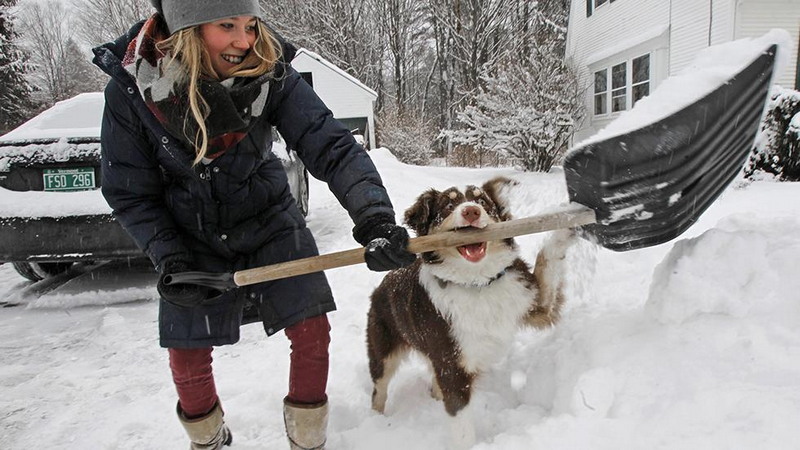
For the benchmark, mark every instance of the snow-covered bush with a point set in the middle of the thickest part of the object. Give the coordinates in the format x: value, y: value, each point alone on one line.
x: 525, y: 111
x: 408, y: 136
x: 777, y: 150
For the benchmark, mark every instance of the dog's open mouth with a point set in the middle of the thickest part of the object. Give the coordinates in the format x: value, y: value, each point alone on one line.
x: 473, y: 252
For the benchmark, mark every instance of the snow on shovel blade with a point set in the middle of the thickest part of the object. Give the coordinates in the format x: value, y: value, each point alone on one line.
x: 648, y: 186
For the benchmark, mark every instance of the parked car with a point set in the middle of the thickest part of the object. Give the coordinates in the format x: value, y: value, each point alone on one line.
x: 52, y: 213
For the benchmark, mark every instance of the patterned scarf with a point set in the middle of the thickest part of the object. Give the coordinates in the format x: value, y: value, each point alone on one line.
x: 235, y: 105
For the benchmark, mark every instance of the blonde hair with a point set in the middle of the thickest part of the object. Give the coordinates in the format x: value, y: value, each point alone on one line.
x: 186, y: 47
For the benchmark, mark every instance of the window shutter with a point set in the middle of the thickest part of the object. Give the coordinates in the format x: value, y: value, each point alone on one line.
x: 589, y: 8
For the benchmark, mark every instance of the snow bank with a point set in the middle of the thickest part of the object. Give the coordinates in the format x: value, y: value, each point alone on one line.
x: 759, y: 270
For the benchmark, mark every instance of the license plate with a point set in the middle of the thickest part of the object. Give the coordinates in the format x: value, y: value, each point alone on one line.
x: 78, y: 179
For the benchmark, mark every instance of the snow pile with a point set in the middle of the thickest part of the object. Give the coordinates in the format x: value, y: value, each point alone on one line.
x: 690, y: 282
x: 690, y: 344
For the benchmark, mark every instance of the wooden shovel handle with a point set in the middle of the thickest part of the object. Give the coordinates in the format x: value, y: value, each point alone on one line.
x: 572, y: 215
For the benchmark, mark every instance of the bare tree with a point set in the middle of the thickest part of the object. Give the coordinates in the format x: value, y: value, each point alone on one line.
x: 529, y: 101
x: 431, y: 60
x: 104, y: 20
x: 404, y: 30
x: 61, y: 69
x: 346, y: 32
x: 471, y: 34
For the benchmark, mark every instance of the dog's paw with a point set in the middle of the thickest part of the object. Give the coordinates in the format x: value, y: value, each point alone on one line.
x: 462, y: 431
x: 557, y: 244
x: 379, y: 400
x: 436, y: 391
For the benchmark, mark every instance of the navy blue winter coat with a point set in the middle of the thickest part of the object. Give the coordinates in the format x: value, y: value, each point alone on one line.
x: 236, y: 212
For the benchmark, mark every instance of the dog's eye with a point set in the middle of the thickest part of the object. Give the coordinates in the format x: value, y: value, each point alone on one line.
x: 449, y: 206
x: 482, y: 202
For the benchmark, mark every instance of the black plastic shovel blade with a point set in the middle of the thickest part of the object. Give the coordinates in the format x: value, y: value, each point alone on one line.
x: 648, y: 186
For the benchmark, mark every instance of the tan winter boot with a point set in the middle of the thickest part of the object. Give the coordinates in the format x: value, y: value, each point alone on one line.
x: 208, y: 432
x: 305, y: 425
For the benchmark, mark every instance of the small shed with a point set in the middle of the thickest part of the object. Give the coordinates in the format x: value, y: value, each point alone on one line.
x: 351, y: 102
x: 623, y: 49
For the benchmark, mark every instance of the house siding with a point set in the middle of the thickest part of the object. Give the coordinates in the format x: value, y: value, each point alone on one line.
x: 615, y: 32
x: 591, y: 35
x: 342, y: 96
x: 756, y: 17
x: 697, y: 24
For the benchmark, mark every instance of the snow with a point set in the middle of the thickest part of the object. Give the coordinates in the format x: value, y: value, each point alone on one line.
x: 51, y: 204
x: 689, y: 344
x: 79, y: 116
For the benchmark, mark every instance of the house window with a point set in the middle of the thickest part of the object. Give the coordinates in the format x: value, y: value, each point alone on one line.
x: 611, y: 85
x: 308, y: 77
x: 591, y: 5
x: 600, y: 92
x: 619, y: 87
x: 640, y: 78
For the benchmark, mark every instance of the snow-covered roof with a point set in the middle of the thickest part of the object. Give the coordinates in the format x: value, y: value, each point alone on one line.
x: 336, y: 69
x: 620, y: 46
x: 79, y: 116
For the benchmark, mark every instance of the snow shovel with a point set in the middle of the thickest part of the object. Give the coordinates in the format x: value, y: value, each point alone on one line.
x: 631, y: 191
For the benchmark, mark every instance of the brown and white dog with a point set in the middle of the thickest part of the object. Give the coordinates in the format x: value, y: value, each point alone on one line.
x: 461, y: 307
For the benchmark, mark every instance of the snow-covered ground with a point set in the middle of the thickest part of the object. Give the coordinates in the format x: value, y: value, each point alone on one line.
x: 688, y: 345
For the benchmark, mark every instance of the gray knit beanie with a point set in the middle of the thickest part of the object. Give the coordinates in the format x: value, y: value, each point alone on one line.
x: 180, y: 14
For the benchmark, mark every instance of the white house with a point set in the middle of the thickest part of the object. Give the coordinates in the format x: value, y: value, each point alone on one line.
x: 351, y: 102
x: 623, y: 49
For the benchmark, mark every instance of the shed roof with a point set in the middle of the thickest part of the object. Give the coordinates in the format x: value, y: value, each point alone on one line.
x: 336, y: 69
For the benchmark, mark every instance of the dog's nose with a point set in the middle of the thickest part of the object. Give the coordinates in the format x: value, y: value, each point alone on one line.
x: 471, y: 214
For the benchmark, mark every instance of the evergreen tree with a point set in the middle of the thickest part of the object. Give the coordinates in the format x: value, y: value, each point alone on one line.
x: 15, y: 91
x: 81, y: 75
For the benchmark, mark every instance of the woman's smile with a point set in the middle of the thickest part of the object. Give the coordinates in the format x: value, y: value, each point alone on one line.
x: 228, y: 41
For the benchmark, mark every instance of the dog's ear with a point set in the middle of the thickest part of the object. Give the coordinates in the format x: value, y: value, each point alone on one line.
x: 497, y: 190
x: 420, y: 215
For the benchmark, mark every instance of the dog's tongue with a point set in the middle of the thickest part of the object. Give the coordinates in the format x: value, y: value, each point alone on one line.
x: 473, y: 252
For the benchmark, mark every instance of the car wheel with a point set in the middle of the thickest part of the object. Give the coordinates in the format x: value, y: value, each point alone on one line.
x: 39, y: 271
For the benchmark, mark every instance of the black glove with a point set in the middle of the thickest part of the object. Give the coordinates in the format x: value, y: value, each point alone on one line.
x: 385, y: 244
x: 187, y: 295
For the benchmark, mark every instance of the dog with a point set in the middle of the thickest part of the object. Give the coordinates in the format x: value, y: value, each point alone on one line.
x: 461, y: 307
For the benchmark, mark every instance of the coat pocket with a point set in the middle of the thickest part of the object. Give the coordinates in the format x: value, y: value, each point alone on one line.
x: 213, y: 323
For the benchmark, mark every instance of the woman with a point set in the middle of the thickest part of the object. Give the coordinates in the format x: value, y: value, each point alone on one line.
x: 194, y: 93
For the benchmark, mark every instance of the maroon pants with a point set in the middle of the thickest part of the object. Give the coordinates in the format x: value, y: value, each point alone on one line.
x: 308, y: 370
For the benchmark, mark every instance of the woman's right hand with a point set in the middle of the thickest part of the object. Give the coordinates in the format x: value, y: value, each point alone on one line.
x: 181, y: 294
